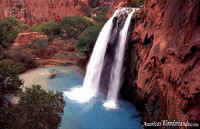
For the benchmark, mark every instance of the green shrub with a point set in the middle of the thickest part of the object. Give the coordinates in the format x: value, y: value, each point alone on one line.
x: 100, y: 19
x: 23, y: 62
x: 9, y: 29
x: 18, y: 66
x: 99, y: 15
x: 51, y: 29
x: 87, y: 40
x: 38, y: 43
x: 100, y: 9
x: 73, y: 26
x: 9, y: 81
x: 36, y: 109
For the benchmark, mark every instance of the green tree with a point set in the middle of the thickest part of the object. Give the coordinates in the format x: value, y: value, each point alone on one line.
x: 23, y: 62
x: 100, y: 19
x: 9, y: 81
x: 9, y: 29
x: 73, y: 26
x: 87, y: 40
x: 51, y: 29
x: 36, y: 109
x: 99, y: 15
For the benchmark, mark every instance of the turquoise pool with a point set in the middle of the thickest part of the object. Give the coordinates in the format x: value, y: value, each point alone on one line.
x: 90, y: 115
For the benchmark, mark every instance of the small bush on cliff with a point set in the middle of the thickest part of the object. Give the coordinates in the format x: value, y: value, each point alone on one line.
x: 9, y: 29
x: 73, y: 26
x: 51, y: 29
x: 87, y: 40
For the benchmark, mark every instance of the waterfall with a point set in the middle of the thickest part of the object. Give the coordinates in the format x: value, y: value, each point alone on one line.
x: 94, y: 67
x: 116, y: 71
x: 108, y: 52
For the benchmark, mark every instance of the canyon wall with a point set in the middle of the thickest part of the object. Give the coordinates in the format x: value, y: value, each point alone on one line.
x: 37, y: 11
x: 164, y: 74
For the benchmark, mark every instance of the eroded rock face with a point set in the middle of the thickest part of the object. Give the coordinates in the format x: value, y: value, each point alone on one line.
x: 166, y: 58
x: 24, y: 38
x: 37, y: 11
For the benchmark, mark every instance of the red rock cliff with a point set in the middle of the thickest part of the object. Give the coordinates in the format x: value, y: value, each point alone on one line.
x: 37, y: 11
x: 115, y: 4
x: 166, y: 59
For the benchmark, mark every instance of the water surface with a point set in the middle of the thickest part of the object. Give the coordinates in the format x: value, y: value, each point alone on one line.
x: 90, y: 115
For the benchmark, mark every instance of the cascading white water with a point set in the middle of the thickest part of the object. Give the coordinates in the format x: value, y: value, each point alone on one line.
x: 94, y: 67
x: 116, y: 70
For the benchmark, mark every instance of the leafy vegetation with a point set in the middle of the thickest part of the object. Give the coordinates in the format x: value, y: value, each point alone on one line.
x: 38, y: 43
x: 100, y: 19
x: 9, y: 29
x: 34, y: 108
x: 51, y: 29
x: 9, y: 81
x: 73, y: 26
x: 87, y: 40
x: 69, y: 27
x: 103, y: 9
x: 40, y: 47
x: 23, y: 62
x: 99, y: 15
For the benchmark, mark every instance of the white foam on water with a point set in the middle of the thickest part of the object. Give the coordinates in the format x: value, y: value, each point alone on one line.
x: 81, y: 95
x: 110, y: 104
